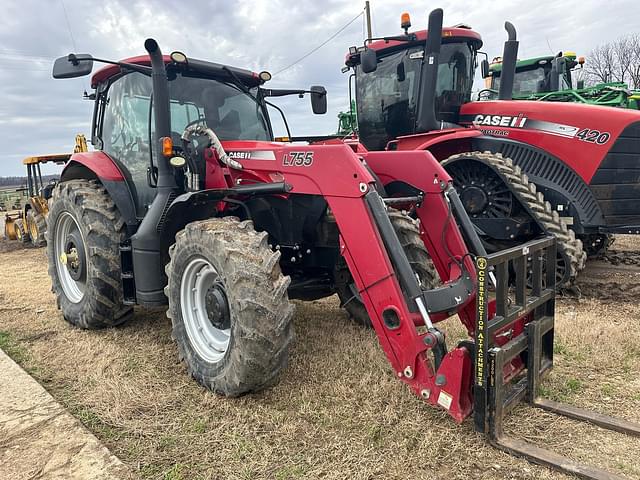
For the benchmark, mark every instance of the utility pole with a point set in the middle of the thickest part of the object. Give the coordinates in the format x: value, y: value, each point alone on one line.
x: 367, y: 10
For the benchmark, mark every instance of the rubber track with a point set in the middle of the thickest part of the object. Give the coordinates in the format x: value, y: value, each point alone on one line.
x: 567, y: 244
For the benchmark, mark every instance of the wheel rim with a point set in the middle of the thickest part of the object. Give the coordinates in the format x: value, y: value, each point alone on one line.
x: 205, y: 310
x: 69, y: 247
x: 482, y: 192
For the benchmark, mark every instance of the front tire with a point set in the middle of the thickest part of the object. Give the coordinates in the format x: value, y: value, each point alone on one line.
x: 83, y: 239
x: 228, y: 304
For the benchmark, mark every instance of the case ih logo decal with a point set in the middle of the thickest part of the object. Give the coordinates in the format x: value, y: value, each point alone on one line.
x: 297, y: 159
x: 253, y: 155
x: 500, y: 121
x: 526, y: 123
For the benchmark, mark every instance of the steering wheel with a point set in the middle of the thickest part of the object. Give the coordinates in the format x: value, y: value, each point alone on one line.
x: 486, y: 93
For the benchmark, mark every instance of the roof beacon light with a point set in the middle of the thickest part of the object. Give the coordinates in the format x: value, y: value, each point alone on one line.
x: 405, y: 22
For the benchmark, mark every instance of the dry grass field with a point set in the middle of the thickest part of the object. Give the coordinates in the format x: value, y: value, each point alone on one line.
x: 338, y: 411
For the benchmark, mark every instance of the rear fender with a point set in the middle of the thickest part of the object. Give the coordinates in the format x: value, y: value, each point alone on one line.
x: 441, y: 144
x: 99, y: 166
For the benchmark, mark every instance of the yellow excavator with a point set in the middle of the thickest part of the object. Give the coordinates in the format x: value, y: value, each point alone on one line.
x: 29, y: 225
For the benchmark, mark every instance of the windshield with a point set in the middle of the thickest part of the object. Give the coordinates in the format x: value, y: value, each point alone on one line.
x: 127, y: 124
x: 533, y: 80
x: 229, y: 112
x: 387, y: 99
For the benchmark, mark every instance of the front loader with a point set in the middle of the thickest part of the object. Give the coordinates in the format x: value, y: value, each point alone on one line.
x: 223, y: 225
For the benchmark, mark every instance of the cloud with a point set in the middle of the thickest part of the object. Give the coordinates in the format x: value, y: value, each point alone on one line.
x: 42, y: 115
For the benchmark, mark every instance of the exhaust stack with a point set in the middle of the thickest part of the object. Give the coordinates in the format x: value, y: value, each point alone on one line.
x: 146, y: 249
x: 426, y: 118
x: 509, y: 58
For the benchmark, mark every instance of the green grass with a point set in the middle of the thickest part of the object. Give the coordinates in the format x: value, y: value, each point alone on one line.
x: 12, y: 348
x: 93, y: 422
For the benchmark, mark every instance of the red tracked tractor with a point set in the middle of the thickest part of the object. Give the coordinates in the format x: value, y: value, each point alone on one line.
x: 409, y: 90
x: 579, y: 161
x: 205, y: 213
x: 585, y: 158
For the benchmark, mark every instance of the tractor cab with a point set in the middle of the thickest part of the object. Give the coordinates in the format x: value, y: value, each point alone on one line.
x: 538, y: 75
x: 391, y: 76
x: 228, y: 100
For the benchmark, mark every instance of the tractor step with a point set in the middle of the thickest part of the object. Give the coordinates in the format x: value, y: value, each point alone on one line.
x: 126, y: 277
x: 495, y: 395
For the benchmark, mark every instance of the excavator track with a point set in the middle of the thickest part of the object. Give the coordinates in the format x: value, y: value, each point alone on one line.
x: 571, y: 255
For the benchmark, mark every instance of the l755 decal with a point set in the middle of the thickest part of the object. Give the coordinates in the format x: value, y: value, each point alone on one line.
x: 298, y: 159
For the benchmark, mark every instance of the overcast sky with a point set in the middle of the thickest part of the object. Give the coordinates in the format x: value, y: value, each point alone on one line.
x: 40, y: 115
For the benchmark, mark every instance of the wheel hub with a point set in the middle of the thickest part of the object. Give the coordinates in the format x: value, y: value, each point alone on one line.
x: 73, y: 257
x: 474, y: 199
x: 217, y: 307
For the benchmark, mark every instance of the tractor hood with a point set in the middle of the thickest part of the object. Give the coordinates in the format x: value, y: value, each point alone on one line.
x: 565, y: 130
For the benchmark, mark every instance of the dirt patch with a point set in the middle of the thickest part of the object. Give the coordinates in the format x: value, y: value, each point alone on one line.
x: 338, y: 411
x: 616, y: 275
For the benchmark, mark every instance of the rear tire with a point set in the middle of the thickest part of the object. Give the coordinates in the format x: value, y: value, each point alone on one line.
x: 409, y: 235
x: 86, y: 282
x: 229, y: 307
x: 37, y: 227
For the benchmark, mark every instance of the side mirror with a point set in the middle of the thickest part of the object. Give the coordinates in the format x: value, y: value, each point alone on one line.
x: 484, y: 68
x: 318, y: 99
x: 73, y: 66
x: 368, y: 60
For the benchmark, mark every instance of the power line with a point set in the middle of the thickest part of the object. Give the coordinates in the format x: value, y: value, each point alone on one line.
x: 73, y: 40
x: 322, y: 44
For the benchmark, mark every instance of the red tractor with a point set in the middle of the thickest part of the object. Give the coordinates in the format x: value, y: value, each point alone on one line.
x: 584, y: 158
x: 189, y: 202
x: 409, y: 90
x: 413, y: 91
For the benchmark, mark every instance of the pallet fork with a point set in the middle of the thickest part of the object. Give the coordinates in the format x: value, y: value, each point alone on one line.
x: 494, y: 396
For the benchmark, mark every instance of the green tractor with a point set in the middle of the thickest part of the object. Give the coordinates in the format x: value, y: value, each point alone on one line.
x: 550, y: 78
x: 347, y: 121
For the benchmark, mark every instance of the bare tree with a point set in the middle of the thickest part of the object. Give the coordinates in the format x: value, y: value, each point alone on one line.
x: 617, y: 61
x: 600, y: 64
x: 634, y: 70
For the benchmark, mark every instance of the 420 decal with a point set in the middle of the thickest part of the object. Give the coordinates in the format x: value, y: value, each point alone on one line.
x: 297, y: 159
x: 593, y: 136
